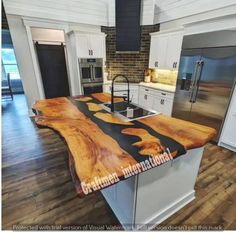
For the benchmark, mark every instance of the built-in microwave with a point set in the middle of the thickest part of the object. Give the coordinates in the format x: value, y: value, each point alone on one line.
x: 91, y: 70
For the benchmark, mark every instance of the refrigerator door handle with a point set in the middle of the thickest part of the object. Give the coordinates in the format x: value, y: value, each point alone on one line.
x: 194, y: 80
x: 195, y: 91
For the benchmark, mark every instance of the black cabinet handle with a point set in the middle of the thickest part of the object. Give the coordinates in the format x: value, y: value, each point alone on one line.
x: 162, y: 101
x: 145, y: 97
x: 174, y: 65
x: 92, y: 52
x: 156, y: 64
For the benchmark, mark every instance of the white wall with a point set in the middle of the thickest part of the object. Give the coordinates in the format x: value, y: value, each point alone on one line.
x: 169, y: 10
x: 24, y: 59
x: 221, y: 18
x: 102, y: 12
x: 79, y: 11
x: 44, y: 34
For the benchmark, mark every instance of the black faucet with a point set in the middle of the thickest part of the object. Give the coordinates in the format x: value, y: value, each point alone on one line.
x: 112, y: 90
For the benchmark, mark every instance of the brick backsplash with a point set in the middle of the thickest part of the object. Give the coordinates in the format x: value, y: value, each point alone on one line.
x: 131, y: 65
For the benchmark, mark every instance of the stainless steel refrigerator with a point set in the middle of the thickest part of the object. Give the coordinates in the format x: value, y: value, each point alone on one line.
x: 206, y: 77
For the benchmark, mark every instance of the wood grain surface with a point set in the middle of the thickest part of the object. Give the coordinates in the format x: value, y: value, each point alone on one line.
x: 37, y: 188
x: 97, y: 154
x: 149, y: 144
x: 106, y: 97
x: 109, y: 118
x: 93, y: 107
x: 83, y: 99
x: 189, y: 134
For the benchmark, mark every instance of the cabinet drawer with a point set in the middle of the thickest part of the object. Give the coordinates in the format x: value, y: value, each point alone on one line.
x: 164, y: 94
x: 147, y: 90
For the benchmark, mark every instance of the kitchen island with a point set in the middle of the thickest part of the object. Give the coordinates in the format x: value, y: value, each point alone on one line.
x: 146, y: 169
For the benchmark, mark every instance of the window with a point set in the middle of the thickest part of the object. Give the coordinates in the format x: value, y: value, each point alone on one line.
x: 9, y: 63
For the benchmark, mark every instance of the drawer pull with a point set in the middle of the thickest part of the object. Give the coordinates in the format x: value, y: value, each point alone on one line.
x: 163, y: 94
x: 146, y: 89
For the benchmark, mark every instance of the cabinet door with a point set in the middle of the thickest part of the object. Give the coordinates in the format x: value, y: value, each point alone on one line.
x: 228, y: 132
x: 83, y: 46
x: 158, y: 51
x: 173, y: 50
x: 145, y: 100
x: 97, y: 45
x: 163, y: 105
x: 134, y: 96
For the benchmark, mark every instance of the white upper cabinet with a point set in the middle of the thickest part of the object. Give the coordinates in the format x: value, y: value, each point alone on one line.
x: 165, y: 50
x: 91, y: 45
x: 82, y: 45
x: 174, y: 50
x: 97, y: 45
x: 158, y: 49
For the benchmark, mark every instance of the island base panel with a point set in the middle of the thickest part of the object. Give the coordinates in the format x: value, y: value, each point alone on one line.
x: 147, y: 199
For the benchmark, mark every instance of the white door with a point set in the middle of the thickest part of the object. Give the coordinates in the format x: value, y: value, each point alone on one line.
x: 97, y: 45
x: 158, y: 51
x: 83, y: 45
x: 174, y: 50
x: 163, y: 105
x: 145, y: 100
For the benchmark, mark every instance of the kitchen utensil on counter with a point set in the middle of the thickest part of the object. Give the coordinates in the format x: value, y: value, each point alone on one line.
x: 154, y: 75
x: 147, y: 79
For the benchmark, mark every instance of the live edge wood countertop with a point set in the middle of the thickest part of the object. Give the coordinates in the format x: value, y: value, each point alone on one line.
x: 102, y: 145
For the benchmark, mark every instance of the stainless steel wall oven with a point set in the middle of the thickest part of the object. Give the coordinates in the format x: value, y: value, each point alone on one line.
x: 91, y: 74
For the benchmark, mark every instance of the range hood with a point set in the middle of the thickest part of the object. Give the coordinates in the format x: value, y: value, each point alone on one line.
x: 128, y: 31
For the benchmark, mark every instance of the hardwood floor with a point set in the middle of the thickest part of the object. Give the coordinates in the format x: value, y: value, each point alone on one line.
x: 37, y: 188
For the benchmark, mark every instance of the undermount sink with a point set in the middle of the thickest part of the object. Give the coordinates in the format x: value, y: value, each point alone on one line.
x: 128, y: 111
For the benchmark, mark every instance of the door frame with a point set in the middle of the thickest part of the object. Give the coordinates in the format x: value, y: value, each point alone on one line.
x: 29, y: 23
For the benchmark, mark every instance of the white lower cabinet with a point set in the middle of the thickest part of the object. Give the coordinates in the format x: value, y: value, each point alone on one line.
x: 157, y: 100
x: 228, y: 138
x: 146, y: 100
x: 134, y: 91
x: 163, y: 105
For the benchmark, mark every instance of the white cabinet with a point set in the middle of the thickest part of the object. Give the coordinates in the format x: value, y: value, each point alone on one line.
x: 165, y: 50
x: 174, y: 50
x: 134, y: 90
x: 91, y: 45
x: 97, y: 45
x: 228, y: 138
x: 158, y: 100
x: 163, y: 105
x: 146, y: 98
x: 158, y: 49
